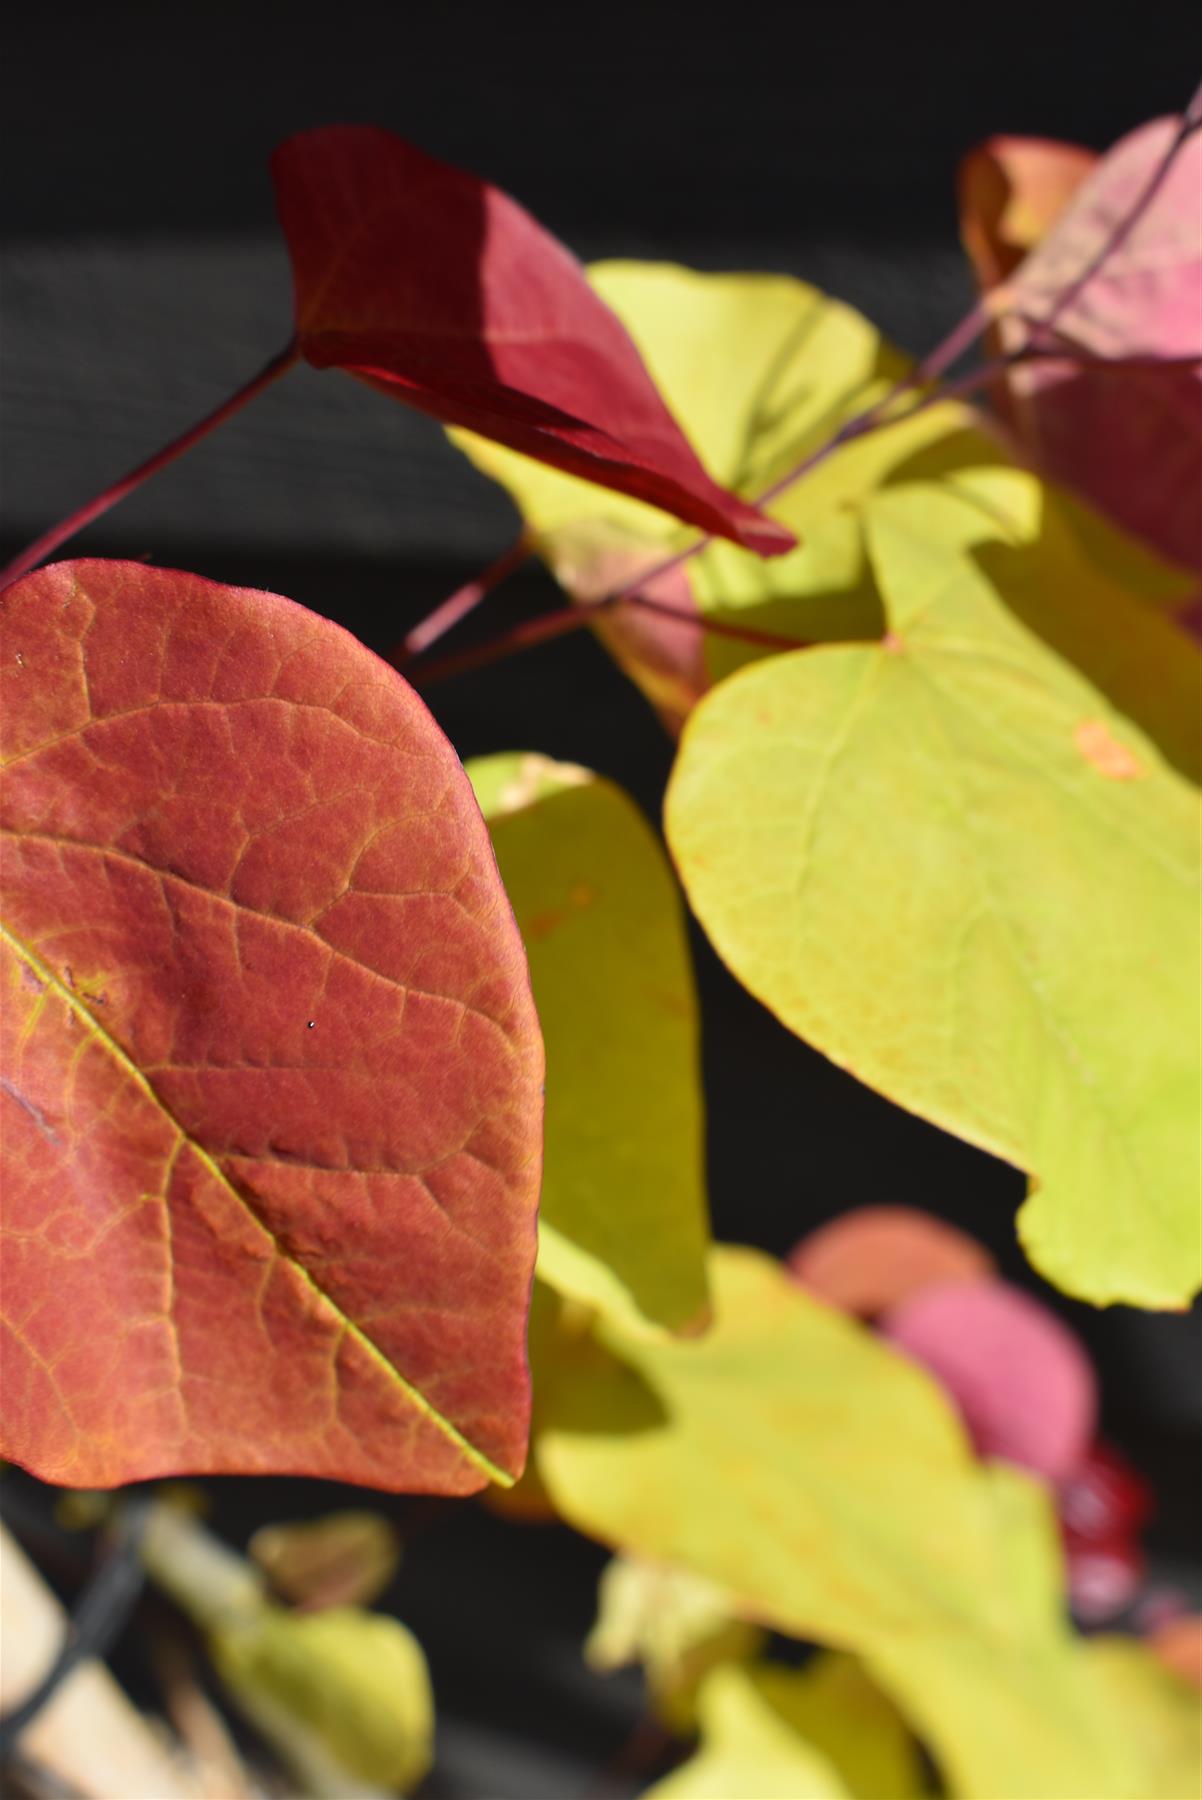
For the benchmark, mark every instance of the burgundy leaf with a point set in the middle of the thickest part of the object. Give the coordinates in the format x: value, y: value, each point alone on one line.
x: 440, y: 290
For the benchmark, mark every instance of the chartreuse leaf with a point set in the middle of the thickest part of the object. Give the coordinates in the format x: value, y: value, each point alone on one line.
x: 748, y: 1748
x: 342, y: 1690
x: 821, y: 1730
x: 949, y: 862
x: 761, y: 370
x: 623, y: 1215
x: 1159, y: 1709
x: 343, y: 1695
x: 841, y: 1503
x: 272, y: 1074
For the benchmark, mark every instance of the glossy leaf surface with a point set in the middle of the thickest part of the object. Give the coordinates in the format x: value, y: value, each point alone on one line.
x: 794, y: 1423
x: 761, y: 370
x: 272, y: 1070
x: 1129, y: 441
x: 443, y: 292
x: 897, y: 846
x: 622, y: 1222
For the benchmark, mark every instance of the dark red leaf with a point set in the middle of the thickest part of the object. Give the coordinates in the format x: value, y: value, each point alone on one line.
x: 271, y: 1077
x: 441, y: 291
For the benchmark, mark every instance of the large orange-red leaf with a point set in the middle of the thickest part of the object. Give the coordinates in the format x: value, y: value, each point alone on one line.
x: 271, y: 1080
x: 440, y: 290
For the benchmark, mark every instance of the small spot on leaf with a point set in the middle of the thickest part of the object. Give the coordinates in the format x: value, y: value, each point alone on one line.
x: 1110, y: 758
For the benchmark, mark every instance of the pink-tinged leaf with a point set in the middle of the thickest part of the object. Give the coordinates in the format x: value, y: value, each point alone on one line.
x: 271, y: 1077
x: 874, y: 1257
x: 1127, y: 438
x: 441, y: 291
x: 1011, y: 191
x: 1022, y: 1382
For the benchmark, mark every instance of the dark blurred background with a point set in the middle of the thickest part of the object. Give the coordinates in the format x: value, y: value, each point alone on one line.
x: 144, y: 279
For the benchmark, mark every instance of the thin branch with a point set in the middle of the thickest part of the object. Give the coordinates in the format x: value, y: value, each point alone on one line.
x: 746, y: 634
x: 50, y: 541
x: 531, y: 632
x: 1191, y: 121
x: 523, y: 636
x: 458, y: 605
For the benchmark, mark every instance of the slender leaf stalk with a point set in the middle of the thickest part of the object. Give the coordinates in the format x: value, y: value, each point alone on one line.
x: 59, y: 534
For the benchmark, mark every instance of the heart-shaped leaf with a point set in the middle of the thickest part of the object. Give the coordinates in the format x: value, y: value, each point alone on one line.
x: 622, y: 1222
x: 1128, y: 440
x: 271, y: 1067
x: 441, y: 291
x: 949, y: 862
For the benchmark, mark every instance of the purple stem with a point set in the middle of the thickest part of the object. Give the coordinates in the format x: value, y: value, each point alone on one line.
x: 49, y: 541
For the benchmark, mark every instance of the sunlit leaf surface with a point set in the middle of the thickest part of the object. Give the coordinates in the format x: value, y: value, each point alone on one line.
x: 439, y: 290
x: 272, y: 1070
x: 953, y: 865
x: 622, y: 1223
x: 840, y: 1503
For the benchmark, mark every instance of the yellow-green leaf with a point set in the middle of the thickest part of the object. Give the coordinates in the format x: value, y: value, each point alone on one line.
x: 343, y: 1696
x: 823, y: 1481
x: 834, y: 1706
x: 343, y: 1693
x: 623, y: 1220
x: 788, y: 1455
x: 953, y: 865
x: 761, y: 370
x: 1161, y: 1713
x: 748, y: 1749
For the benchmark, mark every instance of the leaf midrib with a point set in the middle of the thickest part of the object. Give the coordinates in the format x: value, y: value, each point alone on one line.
x: 355, y: 1332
